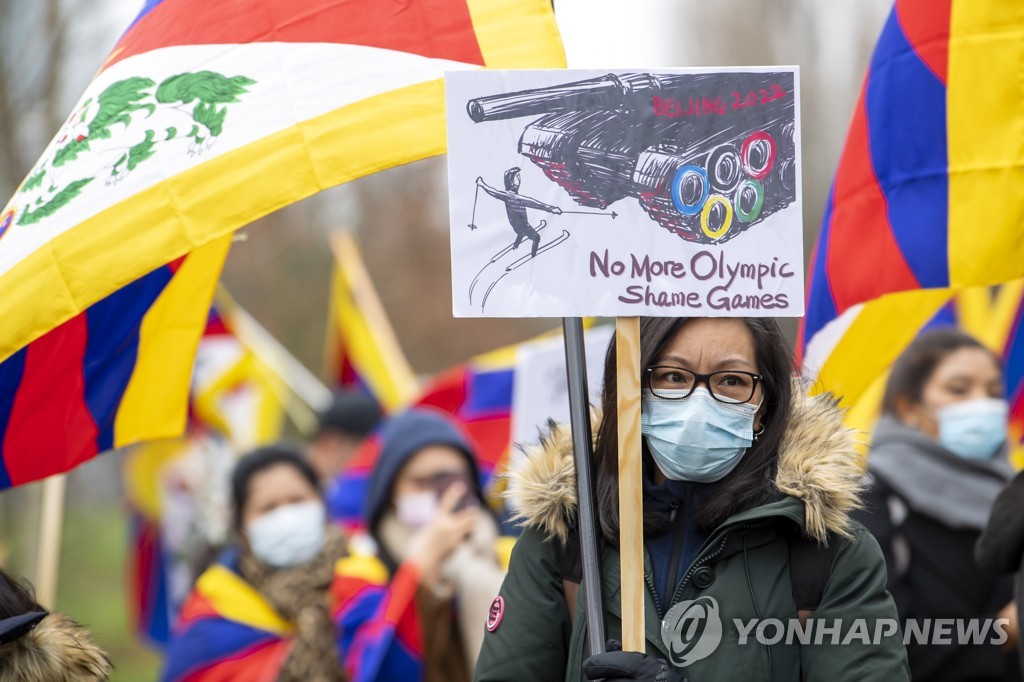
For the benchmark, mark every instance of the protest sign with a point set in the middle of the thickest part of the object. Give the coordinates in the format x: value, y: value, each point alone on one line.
x: 540, y: 392
x: 668, y: 192
x: 630, y: 193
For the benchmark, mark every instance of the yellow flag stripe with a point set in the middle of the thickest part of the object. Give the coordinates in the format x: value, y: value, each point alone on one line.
x: 985, y: 123
x: 494, y: 21
x: 874, y: 341
x: 155, y: 403
x: 239, y: 601
x: 363, y: 329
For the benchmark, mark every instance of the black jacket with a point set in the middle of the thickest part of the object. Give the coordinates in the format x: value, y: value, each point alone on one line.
x: 1000, y: 549
x: 932, y: 574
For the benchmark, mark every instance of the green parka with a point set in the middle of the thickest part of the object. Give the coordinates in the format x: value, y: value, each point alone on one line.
x: 743, y: 568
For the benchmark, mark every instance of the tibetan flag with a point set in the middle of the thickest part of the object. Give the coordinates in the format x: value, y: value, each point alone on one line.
x: 927, y: 193
x: 284, y: 383
x: 227, y: 631
x: 112, y: 375
x: 855, y: 363
x: 1013, y: 360
x: 362, y: 349
x: 234, y: 394
x: 478, y: 395
x: 150, y: 602
x: 205, y: 117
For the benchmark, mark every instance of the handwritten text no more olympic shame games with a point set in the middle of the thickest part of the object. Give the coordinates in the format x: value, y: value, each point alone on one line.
x: 705, y: 266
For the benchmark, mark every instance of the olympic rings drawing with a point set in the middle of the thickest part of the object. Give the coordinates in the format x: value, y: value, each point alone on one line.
x: 690, y: 189
x: 749, y: 187
x: 705, y: 217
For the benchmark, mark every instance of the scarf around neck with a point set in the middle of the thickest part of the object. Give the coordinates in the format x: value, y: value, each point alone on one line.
x: 301, y: 594
x: 933, y: 481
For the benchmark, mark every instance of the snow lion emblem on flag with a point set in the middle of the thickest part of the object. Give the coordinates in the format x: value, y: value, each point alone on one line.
x: 109, y: 135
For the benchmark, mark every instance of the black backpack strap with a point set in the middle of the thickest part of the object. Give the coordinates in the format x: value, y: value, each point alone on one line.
x: 570, y: 561
x: 810, y: 566
x: 570, y: 566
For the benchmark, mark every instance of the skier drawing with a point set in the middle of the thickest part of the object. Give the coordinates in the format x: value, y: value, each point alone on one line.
x: 515, y: 208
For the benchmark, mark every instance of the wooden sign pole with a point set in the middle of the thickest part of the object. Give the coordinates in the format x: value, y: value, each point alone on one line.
x: 631, y: 536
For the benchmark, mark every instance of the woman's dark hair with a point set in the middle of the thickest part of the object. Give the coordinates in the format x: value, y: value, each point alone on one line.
x: 916, y: 364
x: 16, y: 597
x: 750, y: 482
x: 260, y: 460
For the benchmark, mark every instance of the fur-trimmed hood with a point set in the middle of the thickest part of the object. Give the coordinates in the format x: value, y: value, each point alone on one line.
x: 818, y: 464
x: 56, y: 650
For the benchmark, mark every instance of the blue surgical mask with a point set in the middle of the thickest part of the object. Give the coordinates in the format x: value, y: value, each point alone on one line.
x: 697, y: 438
x: 974, y: 429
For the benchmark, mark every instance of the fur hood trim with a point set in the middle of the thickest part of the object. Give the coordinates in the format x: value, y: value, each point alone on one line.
x: 57, y: 650
x: 818, y: 463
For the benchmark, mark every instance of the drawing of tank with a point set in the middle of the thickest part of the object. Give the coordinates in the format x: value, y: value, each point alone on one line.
x: 706, y: 155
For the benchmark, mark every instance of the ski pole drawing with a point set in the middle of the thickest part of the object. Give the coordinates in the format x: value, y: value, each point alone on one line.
x: 515, y: 207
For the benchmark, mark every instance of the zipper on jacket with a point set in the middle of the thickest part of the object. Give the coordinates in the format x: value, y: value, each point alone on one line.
x: 654, y: 594
x: 678, y: 538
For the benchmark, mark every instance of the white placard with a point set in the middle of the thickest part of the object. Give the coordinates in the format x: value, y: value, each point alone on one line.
x: 540, y: 391
x: 667, y: 192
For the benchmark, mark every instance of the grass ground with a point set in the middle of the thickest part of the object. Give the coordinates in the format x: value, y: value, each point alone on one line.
x: 93, y: 588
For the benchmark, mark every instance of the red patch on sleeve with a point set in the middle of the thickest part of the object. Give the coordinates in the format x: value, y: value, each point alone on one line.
x: 495, y: 614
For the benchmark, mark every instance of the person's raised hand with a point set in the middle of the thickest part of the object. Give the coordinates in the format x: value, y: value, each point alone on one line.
x: 1009, y: 612
x: 438, y: 539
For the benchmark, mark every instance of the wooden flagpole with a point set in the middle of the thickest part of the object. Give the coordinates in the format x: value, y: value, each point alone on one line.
x: 631, y: 537
x: 271, y: 353
x: 50, y: 524
x: 346, y: 253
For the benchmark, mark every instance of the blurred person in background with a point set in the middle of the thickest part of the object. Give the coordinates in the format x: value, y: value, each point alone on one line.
x: 1000, y: 549
x: 36, y: 646
x: 341, y: 429
x: 937, y: 463
x: 422, y: 612
x: 265, y: 610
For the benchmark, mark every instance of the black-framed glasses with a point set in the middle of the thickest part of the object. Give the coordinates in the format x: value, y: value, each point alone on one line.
x: 726, y: 386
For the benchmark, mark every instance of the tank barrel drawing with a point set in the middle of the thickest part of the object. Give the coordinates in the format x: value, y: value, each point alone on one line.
x: 706, y: 155
x: 607, y: 92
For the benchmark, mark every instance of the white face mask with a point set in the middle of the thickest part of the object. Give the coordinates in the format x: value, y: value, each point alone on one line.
x: 417, y: 510
x: 288, y: 536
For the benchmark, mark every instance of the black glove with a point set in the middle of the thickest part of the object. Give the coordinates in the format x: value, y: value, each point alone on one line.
x: 627, y: 665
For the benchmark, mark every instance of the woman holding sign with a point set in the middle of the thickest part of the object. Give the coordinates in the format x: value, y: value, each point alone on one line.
x: 753, y: 568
